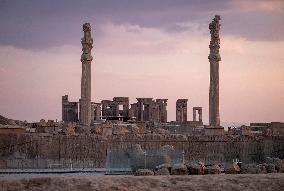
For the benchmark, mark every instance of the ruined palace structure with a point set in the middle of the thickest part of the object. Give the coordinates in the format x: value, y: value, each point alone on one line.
x: 214, y: 59
x: 88, y: 111
x: 86, y: 59
x: 144, y: 110
x: 73, y: 146
x: 69, y: 110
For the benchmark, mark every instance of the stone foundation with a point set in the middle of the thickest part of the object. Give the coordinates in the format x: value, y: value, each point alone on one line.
x: 88, y: 151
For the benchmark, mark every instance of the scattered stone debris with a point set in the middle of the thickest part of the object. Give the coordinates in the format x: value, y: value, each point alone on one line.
x: 69, y: 129
x: 162, y: 171
x: 179, y: 169
x: 141, y: 159
x: 144, y: 172
x: 270, y: 168
x: 195, y: 168
x: 252, y: 169
x: 214, y: 169
x: 164, y: 165
x: 232, y: 168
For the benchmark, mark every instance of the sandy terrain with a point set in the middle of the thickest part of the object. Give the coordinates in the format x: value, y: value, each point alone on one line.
x: 206, y: 182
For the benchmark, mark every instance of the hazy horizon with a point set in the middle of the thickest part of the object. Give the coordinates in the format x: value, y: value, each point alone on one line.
x: 155, y: 49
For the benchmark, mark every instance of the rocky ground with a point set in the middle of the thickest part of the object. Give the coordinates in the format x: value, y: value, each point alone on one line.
x: 194, y: 182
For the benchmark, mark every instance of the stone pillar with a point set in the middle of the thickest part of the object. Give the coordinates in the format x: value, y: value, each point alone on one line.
x: 214, y: 58
x: 194, y: 114
x: 146, y: 112
x: 200, y: 115
x: 162, y: 110
x: 64, y: 112
x: 181, y: 110
x: 96, y: 111
x: 133, y: 112
x: 86, y: 59
x: 140, y: 111
x: 199, y: 111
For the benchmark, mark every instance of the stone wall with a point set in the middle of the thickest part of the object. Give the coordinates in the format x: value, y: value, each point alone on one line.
x: 47, y: 151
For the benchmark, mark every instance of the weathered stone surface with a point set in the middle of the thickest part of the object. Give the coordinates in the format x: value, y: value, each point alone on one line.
x: 82, y: 129
x: 215, y: 169
x: 69, y: 129
x: 252, y: 169
x: 262, y: 168
x: 179, y: 169
x: 69, y: 110
x: 232, y: 168
x: 195, y: 168
x: 162, y: 171
x: 138, y: 159
x: 90, y: 150
x: 165, y: 165
x: 270, y: 168
x: 119, y: 130
x: 167, y: 149
x: 144, y: 172
x: 279, y: 165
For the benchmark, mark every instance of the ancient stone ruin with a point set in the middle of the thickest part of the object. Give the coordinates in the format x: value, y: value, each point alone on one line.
x: 136, y: 135
x: 86, y: 59
x: 214, y: 59
x: 181, y: 110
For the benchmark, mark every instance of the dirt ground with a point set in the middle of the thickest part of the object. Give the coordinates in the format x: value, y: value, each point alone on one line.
x: 241, y: 182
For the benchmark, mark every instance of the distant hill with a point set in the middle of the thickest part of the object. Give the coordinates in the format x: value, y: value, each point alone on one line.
x: 6, y: 121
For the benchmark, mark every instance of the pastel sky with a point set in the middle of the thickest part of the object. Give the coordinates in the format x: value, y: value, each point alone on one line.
x: 149, y: 48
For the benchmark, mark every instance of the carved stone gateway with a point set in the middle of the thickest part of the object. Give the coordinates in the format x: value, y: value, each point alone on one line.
x: 86, y: 59
x: 214, y: 58
x: 181, y: 110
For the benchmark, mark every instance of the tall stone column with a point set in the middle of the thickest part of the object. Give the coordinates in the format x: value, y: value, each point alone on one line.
x: 214, y: 58
x: 86, y: 59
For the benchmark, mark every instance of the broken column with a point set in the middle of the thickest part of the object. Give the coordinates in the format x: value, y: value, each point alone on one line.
x: 140, y: 109
x: 162, y: 110
x: 96, y: 111
x: 214, y: 58
x: 86, y: 59
x: 199, y: 111
x: 133, y: 112
x: 181, y: 110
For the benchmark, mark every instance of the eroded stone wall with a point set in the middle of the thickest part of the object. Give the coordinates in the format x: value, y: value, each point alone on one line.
x: 47, y: 151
